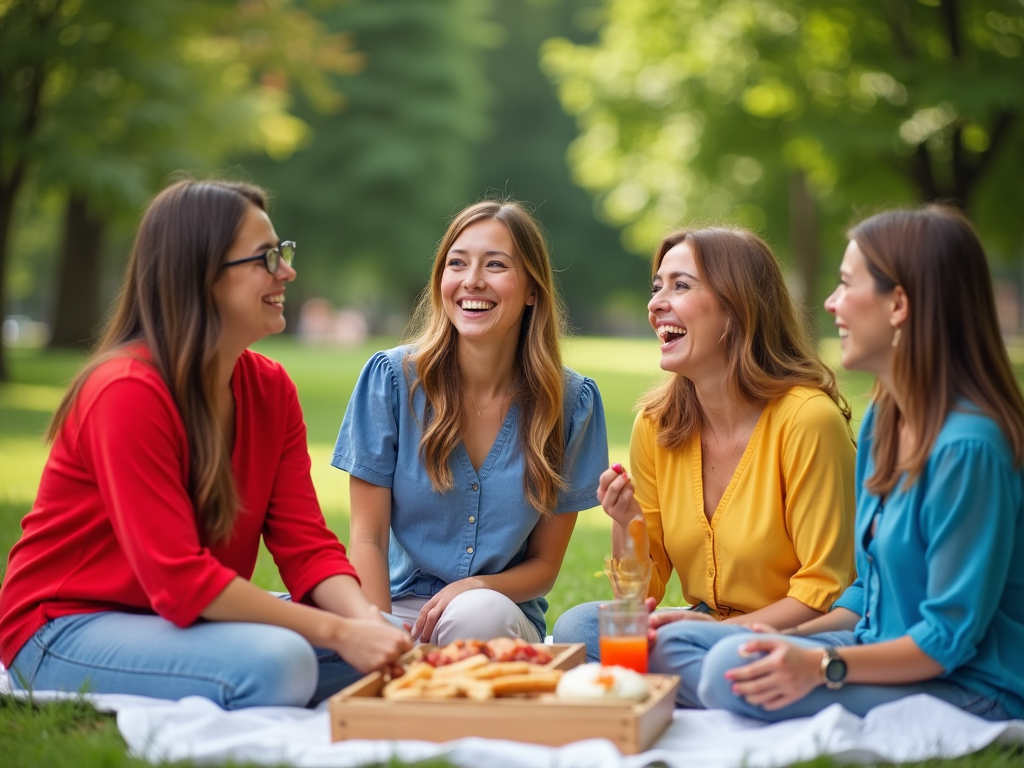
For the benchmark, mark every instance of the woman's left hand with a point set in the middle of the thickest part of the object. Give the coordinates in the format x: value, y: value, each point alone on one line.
x: 431, y: 612
x: 785, y: 675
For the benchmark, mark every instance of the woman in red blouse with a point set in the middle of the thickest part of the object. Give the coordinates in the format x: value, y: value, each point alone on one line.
x: 174, y: 451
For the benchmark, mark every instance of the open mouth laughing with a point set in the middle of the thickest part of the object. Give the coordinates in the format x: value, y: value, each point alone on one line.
x: 670, y: 333
x: 476, y: 305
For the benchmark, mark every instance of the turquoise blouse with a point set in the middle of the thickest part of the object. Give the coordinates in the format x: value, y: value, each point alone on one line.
x: 482, y: 525
x: 946, y: 563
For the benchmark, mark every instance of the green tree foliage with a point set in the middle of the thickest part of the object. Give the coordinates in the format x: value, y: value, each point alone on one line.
x: 767, y: 112
x: 371, y: 195
x: 103, y: 99
x: 524, y: 155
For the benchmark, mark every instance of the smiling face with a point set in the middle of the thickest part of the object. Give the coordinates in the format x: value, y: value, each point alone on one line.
x: 249, y: 299
x: 484, y: 285
x: 864, y: 316
x: 688, y: 317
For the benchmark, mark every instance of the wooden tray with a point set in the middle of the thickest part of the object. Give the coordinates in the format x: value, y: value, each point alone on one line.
x: 359, y: 712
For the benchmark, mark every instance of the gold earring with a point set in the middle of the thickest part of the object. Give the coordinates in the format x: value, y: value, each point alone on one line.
x: 896, y: 338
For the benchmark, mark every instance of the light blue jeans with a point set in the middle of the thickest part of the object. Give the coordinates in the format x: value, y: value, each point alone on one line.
x: 233, y: 664
x: 701, y: 653
x: 579, y: 625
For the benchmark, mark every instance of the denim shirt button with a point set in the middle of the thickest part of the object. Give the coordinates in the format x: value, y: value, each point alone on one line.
x: 472, y: 519
x: 475, y: 487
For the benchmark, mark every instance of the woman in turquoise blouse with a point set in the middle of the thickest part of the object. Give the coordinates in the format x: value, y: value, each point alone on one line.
x: 938, y: 606
x: 471, y: 449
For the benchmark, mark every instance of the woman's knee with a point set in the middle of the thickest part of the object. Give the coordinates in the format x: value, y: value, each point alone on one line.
x: 280, y: 669
x: 684, y: 642
x: 714, y: 690
x: 481, y: 614
x: 577, y: 624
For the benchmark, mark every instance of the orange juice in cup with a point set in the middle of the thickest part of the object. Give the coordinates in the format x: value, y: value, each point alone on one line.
x: 628, y: 652
x: 623, y: 634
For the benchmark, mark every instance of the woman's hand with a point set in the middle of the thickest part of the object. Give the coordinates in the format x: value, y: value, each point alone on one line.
x: 783, y: 676
x: 661, y: 618
x: 431, y: 612
x: 371, y: 643
x: 615, y: 494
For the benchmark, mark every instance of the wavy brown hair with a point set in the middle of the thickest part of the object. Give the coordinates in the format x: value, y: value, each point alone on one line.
x: 166, y: 305
x: 769, y: 346
x: 950, y: 345
x: 539, y: 378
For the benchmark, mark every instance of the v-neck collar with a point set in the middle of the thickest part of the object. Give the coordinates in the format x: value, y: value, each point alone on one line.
x: 496, y: 446
x: 698, y: 473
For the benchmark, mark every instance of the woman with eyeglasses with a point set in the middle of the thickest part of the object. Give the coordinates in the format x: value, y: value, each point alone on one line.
x: 938, y: 605
x: 176, y: 451
x: 472, y: 448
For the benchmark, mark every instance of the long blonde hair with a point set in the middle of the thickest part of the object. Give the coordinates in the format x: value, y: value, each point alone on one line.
x: 166, y: 304
x: 769, y: 346
x: 950, y: 345
x: 539, y: 377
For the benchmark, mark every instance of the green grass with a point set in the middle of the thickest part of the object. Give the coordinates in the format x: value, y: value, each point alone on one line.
x: 73, y: 734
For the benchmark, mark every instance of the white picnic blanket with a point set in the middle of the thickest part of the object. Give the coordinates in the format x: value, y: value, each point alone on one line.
x: 914, y: 729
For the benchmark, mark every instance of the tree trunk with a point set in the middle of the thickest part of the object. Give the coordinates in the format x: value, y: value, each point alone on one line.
x: 7, y: 196
x: 78, y: 313
x: 803, y: 230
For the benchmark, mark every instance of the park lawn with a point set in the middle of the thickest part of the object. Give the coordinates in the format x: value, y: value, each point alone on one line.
x: 71, y: 734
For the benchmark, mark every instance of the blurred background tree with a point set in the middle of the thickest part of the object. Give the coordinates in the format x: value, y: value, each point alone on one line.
x: 372, y: 121
x: 450, y: 107
x: 371, y: 194
x: 100, y: 100
x: 790, y: 117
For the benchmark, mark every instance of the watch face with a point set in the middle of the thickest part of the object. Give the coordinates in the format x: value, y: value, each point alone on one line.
x: 835, y: 671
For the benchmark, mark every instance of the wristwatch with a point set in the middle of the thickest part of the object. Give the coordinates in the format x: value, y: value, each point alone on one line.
x: 833, y: 669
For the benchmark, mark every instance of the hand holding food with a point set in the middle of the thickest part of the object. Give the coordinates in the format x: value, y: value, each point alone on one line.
x: 372, y: 643
x: 615, y: 494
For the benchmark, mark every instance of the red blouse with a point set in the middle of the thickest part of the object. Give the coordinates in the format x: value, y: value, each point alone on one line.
x: 113, y: 528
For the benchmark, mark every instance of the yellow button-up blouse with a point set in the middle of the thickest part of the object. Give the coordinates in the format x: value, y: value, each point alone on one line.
x: 784, y: 526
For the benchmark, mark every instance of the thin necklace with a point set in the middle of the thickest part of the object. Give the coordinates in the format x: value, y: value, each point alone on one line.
x: 478, y: 409
x: 743, y: 443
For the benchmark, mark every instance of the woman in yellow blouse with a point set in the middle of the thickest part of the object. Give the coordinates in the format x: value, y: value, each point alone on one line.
x: 742, y: 461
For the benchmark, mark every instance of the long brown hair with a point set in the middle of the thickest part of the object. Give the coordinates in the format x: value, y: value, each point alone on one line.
x: 950, y: 346
x: 769, y: 346
x: 539, y: 384
x: 166, y: 304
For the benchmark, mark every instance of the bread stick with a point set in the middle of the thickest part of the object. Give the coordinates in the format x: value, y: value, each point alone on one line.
x: 539, y: 682
x: 460, y: 667
x: 501, y: 669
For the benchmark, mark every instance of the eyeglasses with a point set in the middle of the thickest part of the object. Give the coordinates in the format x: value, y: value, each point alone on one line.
x: 284, y: 252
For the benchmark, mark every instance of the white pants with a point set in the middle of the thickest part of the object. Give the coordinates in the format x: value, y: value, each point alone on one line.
x: 479, y: 614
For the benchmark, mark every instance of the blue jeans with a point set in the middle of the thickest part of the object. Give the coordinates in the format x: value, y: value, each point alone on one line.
x: 579, y: 625
x: 233, y: 664
x: 701, y: 653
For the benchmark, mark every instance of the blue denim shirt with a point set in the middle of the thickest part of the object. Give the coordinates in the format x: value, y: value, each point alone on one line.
x: 946, y: 563
x: 481, y: 526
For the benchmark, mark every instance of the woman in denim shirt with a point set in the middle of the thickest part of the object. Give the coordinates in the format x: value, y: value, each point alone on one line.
x: 472, y: 449
x: 938, y: 606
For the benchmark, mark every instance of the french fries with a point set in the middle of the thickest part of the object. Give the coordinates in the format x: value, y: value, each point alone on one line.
x: 474, y: 678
